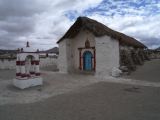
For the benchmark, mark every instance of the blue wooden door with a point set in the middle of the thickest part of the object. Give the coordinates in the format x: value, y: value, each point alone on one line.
x: 87, y: 61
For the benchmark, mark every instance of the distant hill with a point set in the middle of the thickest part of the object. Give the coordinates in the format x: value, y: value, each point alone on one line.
x: 158, y: 48
x: 53, y: 50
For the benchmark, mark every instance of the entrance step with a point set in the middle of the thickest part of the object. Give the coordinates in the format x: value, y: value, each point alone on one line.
x: 87, y: 72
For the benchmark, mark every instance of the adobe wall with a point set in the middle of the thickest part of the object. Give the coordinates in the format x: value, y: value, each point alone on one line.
x: 11, y: 64
x: 107, y: 55
x: 79, y: 42
x: 154, y: 54
x: 62, y: 59
x: 130, y: 57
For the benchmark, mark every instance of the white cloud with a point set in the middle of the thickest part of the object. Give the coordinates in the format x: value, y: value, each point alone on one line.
x: 43, y: 22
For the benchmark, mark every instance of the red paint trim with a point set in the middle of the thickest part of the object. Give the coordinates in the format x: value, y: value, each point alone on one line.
x: 36, y: 62
x: 38, y: 74
x: 32, y: 73
x: 28, y: 75
x: 22, y: 62
x: 32, y: 62
x: 18, y: 74
x: 86, y: 48
x: 18, y: 62
x: 23, y: 75
x: 80, y: 62
x: 94, y: 60
x: 81, y: 58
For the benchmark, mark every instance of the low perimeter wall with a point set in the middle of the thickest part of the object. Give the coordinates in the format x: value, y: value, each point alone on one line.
x: 11, y: 63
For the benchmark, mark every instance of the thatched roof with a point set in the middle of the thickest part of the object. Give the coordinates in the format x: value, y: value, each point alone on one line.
x: 99, y: 29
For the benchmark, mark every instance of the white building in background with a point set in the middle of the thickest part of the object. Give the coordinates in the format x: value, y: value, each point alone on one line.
x: 91, y: 46
x: 27, y: 68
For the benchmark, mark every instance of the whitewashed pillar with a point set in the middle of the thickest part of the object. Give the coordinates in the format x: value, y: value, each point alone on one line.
x: 32, y: 69
x: 37, y: 71
x: 18, y: 69
x: 23, y: 72
x: 27, y: 68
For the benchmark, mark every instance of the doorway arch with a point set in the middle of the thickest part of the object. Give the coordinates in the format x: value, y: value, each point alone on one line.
x: 87, y: 60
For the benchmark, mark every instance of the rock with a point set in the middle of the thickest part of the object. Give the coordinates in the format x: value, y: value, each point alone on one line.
x: 116, y: 72
x: 123, y: 68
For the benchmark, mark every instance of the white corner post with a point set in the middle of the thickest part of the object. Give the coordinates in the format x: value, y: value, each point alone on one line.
x: 23, y: 71
x: 18, y: 69
x: 32, y: 69
x: 37, y: 71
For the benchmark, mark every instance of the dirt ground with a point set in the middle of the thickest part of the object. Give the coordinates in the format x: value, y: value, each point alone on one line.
x: 150, y: 71
x: 100, y: 101
x: 5, y: 76
x: 79, y: 97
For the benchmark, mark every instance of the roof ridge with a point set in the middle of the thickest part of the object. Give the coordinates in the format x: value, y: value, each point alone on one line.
x: 99, y: 29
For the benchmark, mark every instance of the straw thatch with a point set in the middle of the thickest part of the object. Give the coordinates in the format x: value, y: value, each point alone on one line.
x: 127, y: 60
x: 99, y: 29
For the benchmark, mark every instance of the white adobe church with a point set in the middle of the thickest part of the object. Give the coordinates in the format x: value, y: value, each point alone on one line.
x: 91, y: 46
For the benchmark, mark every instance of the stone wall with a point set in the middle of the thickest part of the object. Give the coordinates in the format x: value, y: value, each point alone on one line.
x: 153, y: 54
x: 131, y: 57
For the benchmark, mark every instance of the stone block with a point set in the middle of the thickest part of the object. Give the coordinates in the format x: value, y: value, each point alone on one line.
x: 26, y: 83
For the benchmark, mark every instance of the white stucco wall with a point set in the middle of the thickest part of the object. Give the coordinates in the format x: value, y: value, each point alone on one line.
x: 68, y: 60
x: 62, y: 59
x: 107, y: 55
x: 79, y: 42
x: 44, y: 62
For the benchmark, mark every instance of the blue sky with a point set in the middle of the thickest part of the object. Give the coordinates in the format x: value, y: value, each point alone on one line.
x: 109, y: 8
x: 137, y: 18
x: 44, y: 22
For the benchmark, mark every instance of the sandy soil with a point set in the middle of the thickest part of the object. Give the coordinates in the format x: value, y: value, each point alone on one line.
x: 54, y: 84
x: 150, y: 71
x: 50, y: 68
x: 83, y: 97
x: 7, y: 74
x: 99, y: 101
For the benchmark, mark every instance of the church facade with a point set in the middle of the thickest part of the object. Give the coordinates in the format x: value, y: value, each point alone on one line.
x: 91, y: 46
